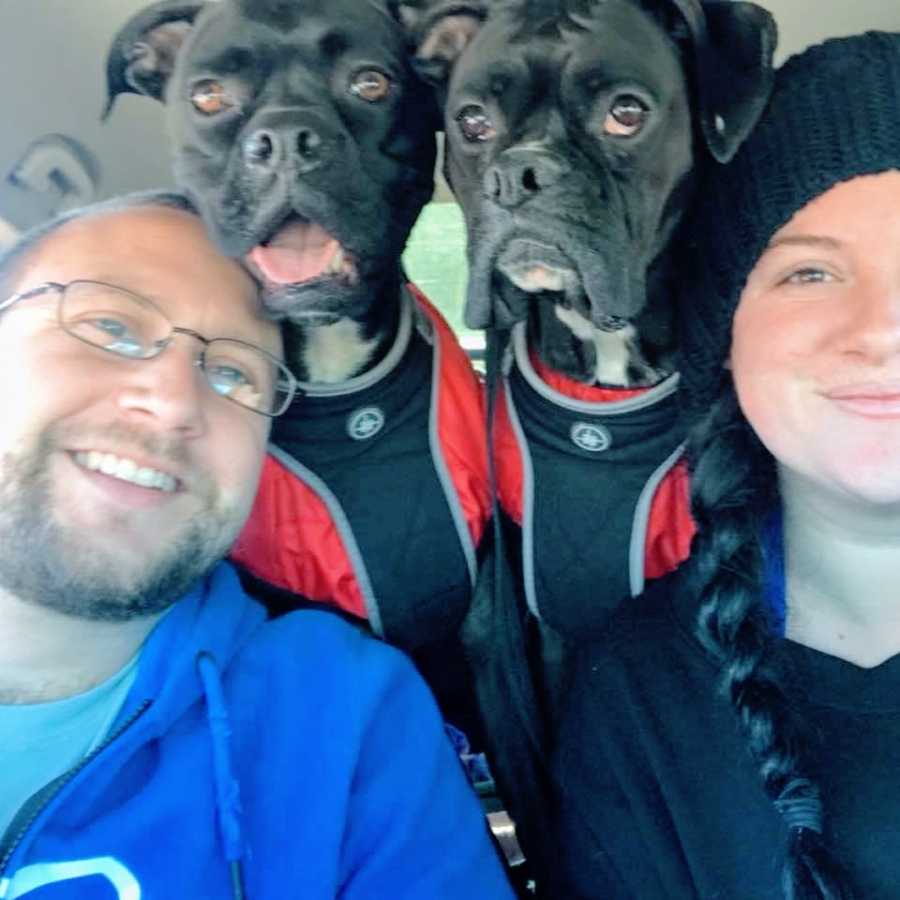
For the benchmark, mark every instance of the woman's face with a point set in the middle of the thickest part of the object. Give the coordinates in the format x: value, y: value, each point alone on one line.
x: 815, y: 349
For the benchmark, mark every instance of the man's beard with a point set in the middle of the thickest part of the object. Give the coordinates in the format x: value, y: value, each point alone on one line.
x: 44, y: 561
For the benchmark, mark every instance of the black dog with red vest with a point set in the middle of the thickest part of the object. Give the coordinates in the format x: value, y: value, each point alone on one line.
x: 306, y: 141
x: 576, y: 132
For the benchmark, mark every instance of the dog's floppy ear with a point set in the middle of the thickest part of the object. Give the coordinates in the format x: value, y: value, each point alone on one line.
x: 438, y: 32
x: 734, y: 43
x: 142, y: 55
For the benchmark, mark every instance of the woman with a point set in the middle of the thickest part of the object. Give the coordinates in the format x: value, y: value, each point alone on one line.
x: 736, y: 734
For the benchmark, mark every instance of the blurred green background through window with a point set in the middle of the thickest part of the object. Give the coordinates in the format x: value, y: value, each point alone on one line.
x: 435, y: 260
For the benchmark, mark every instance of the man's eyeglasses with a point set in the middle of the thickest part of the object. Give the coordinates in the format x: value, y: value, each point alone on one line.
x: 127, y: 325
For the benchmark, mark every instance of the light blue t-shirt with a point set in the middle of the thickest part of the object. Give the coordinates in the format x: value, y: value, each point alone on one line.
x: 41, y: 741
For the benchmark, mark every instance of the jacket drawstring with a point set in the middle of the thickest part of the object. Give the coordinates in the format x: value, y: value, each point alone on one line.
x: 228, y: 794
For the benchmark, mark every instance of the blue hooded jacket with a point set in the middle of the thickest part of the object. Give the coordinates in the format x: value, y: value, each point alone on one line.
x: 294, y: 758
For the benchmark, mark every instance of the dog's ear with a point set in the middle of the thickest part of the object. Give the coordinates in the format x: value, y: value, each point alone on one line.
x: 438, y: 31
x: 142, y: 55
x: 734, y: 43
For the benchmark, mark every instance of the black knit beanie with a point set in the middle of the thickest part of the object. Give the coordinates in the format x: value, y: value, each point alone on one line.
x: 834, y: 114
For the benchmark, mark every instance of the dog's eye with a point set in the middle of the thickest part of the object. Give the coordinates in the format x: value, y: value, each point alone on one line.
x: 211, y: 97
x: 475, y: 124
x: 626, y: 117
x: 370, y: 85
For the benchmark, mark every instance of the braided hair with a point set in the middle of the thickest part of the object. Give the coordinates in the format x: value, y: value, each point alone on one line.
x: 734, y: 488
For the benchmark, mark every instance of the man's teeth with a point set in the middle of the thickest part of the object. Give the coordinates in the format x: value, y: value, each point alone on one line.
x: 125, y: 470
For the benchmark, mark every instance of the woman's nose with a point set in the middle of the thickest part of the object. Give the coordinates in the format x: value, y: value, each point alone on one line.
x: 873, y: 326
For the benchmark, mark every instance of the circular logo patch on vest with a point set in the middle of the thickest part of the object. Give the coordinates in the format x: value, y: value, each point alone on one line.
x: 593, y: 438
x: 365, y: 423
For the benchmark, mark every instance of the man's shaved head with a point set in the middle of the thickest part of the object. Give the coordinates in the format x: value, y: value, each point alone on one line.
x: 14, y: 258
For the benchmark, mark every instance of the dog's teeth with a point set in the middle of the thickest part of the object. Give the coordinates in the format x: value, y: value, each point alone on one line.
x: 337, y: 262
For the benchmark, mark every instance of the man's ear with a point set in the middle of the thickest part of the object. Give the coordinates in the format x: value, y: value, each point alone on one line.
x: 438, y: 31
x: 734, y: 43
x: 142, y: 56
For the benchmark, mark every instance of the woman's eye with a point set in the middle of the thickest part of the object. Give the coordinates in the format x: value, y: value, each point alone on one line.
x: 475, y: 125
x: 626, y: 117
x: 370, y: 85
x: 809, y: 275
x: 211, y: 97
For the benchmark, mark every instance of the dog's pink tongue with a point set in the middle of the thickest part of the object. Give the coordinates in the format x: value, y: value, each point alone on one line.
x: 298, y: 252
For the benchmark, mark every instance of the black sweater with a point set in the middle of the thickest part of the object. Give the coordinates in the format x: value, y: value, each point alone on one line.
x: 657, y: 796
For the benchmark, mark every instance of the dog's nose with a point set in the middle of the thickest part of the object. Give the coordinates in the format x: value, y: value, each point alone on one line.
x: 520, y: 174
x: 259, y: 148
x: 301, y: 146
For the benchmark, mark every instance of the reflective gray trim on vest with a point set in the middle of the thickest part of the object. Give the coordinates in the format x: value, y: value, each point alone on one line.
x: 424, y: 325
x: 384, y: 368
x: 638, y: 549
x: 443, y: 473
x: 527, y: 503
x: 619, y: 407
x: 339, y: 517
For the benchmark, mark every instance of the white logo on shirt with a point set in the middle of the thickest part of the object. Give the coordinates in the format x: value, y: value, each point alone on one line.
x: 593, y: 438
x: 365, y: 423
x: 41, y: 874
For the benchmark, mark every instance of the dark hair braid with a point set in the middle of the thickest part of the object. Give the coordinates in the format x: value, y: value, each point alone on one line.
x: 734, y: 488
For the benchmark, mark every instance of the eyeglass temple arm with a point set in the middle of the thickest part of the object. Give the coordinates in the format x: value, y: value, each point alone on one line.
x: 31, y: 292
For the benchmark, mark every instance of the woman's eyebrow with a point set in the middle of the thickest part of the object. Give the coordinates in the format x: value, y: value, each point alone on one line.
x: 808, y: 240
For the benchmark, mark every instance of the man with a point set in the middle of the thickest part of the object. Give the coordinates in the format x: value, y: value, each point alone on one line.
x: 159, y: 738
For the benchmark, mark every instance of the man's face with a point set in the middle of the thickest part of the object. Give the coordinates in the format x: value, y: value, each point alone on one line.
x: 99, y: 545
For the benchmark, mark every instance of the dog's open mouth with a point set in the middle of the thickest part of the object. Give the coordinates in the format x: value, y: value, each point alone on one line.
x: 301, y: 253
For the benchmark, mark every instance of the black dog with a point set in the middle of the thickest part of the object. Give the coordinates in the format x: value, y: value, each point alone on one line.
x: 575, y: 134
x: 299, y: 133
x: 305, y: 139
x: 575, y: 131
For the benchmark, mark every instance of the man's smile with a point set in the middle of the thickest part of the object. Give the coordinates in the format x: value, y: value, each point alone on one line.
x: 126, y: 469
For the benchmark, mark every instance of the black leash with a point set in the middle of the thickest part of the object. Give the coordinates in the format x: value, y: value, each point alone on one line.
x: 496, y: 639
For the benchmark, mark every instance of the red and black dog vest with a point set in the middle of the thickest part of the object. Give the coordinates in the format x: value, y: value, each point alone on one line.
x: 374, y: 494
x: 596, y: 480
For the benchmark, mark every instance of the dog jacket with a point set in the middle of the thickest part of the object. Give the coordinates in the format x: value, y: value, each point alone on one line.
x: 374, y: 494
x: 596, y: 480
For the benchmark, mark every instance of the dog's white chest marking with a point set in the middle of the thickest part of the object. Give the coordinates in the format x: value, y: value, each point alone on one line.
x: 334, y: 353
x: 613, y: 348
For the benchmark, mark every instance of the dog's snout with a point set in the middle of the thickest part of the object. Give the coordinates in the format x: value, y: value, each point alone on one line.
x: 300, y: 142
x: 519, y: 175
x: 259, y: 148
x: 266, y: 149
x: 308, y: 143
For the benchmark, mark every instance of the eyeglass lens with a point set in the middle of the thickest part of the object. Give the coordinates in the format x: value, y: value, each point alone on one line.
x: 125, y: 324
